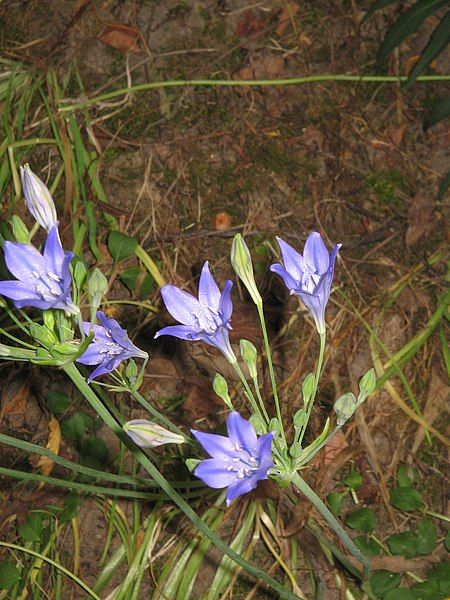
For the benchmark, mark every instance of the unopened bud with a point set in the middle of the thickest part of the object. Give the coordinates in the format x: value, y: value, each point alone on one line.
x: 220, y: 386
x: 150, y: 435
x: 249, y: 354
x: 242, y: 264
x: 258, y: 424
x: 367, y: 385
x: 97, y: 288
x: 345, y: 406
x: 308, y: 388
x: 20, y: 230
x: 38, y: 199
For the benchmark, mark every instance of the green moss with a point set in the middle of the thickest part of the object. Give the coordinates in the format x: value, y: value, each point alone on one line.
x: 385, y: 185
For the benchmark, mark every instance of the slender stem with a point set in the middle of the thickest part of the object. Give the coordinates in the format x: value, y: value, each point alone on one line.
x: 72, y: 371
x: 155, y: 413
x: 304, y: 488
x: 271, y: 371
x: 316, y: 387
x: 244, y: 83
x: 248, y: 391
x: 260, y: 399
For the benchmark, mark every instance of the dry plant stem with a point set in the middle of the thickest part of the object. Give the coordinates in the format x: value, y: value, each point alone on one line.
x: 304, y: 488
x: 271, y: 371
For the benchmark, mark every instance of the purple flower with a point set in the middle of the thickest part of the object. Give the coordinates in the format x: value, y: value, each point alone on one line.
x: 44, y: 280
x: 309, y: 276
x: 38, y: 199
x: 238, y: 461
x: 110, y: 346
x: 206, y: 319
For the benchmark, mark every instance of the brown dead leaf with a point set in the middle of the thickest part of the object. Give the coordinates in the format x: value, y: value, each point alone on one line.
x: 16, y: 404
x: 222, y: 221
x: 395, y: 135
x: 44, y: 463
x: 421, y: 219
x: 201, y: 401
x: 286, y: 15
x: 399, y: 564
x: 251, y: 25
x: 312, y: 138
x: 121, y: 37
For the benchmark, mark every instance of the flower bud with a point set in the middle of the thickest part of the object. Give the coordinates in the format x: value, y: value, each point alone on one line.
x: 299, y: 419
x: 220, y: 386
x: 20, y: 230
x: 38, y: 199
x: 242, y: 264
x: 249, y: 354
x: 150, y: 435
x: 345, y: 406
x: 367, y: 385
x: 258, y: 424
x: 97, y: 288
x: 308, y: 388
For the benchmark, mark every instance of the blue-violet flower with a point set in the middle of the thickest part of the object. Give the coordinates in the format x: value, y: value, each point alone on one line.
x: 309, y: 276
x: 238, y: 461
x: 38, y: 199
x: 44, y: 280
x: 206, y: 319
x: 110, y: 346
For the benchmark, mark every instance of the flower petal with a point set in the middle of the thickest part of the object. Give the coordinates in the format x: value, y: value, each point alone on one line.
x: 208, y: 292
x: 213, y: 474
x: 289, y: 281
x: 182, y: 306
x: 18, y: 290
x: 241, y: 432
x: 183, y: 332
x: 316, y: 254
x: 293, y: 261
x: 54, y: 255
x: 239, y: 487
x: 220, y: 340
x: 23, y: 261
x: 225, y: 303
x: 265, y: 454
x: 106, y: 367
x: 217, y: 446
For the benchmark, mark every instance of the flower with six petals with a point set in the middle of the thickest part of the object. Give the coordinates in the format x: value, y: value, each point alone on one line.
x: 206, y: 319
x: 238, y: 461
x: 309, y: 276
x: 110, y: 346
x: 43, y: 280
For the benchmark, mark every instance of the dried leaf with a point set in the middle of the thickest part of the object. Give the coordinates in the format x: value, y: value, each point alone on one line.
x: 251, y: 25
x: 395, y: 135
x: 334, y: 447
x: 421, y: 219
x: 44, y: 463
x: 312, y: 138
x: 16, y: 404
x: 121, y: 37
x: 222, y: 222
x: 286, y: 16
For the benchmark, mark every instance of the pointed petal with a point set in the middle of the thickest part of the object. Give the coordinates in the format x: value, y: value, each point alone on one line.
x: 183, y: 332
x: 239, y: 487
x: 92, y: 355
x: 265, y: 454
x: 22, y: 260
x: 214, y: 475
x: 53, y: 252
x: 18, y: 290
x: 208, y: 292
x: 289, y: 281
x: 105, y: 367
x: 240, y: 432
x: 225, y: 302
x: 220, y: 340
x: 182, y: 306
x: 293, y: 261
x: 217, y: 446
x: 316, y: 254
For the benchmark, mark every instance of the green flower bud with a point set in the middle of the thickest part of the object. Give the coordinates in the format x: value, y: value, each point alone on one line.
x: 220, y: 386
x: 242, y: 264
x: 150, y: 435
x: 299, y: 418
x: 192, y: 464
x: 249, y: 354
x: 367, y: 384
x: 97, y: 288
x: 258, y: 424
x: 274, y: 426
x: 20, y: 230
x: 308, y: 388
x: 296, y: 450
x: 345, y: 406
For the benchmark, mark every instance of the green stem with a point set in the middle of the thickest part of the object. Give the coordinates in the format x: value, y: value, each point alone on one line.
x: 319, y: 366
x: 248, y: 391
x: 260, y: 399
x: 155, y: 413
x: 72, y: 371
x: 244, y: 83
x: 304, y: 488
x: 270, y: 365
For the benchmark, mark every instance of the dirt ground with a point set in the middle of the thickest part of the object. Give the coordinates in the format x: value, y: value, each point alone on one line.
x: 186, y: 168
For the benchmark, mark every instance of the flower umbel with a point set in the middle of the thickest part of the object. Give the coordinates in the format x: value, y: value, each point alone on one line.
x: 44, y: 280
x: 309, y: 276
x: 110, y: 346
x: 238, y: 461
x: 38, y: 198
x: 206, y: 319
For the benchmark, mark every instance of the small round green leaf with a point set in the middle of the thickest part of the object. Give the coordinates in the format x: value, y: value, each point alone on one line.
x: 336, y: 501
x: 353, y: 480
x: 425, y: 590
x: 361, y: 519
x: 367, y: 546
x: 57, y: 402
x: 9, y: 575
x: 426, y: 536
x: 403, y: 544
x: 31, y: 528
x: 121, y: 246
x: 399, y: 594
x: 383, y: 581
x: 406, y: 498
x: 447, y: 541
